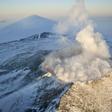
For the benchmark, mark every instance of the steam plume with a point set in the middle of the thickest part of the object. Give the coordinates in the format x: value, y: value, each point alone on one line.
x: 76, y: 18
x: 87, y: 58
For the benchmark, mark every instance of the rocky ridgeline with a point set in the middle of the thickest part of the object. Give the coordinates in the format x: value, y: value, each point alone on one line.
x: 92, y: 96
x: 38, y: 36
x: 32, y: 37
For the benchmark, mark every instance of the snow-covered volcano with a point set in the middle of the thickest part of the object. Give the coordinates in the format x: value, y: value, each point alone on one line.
x: 26, y: 27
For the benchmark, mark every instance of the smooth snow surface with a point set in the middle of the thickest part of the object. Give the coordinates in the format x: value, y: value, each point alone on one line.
x: 26, y: 27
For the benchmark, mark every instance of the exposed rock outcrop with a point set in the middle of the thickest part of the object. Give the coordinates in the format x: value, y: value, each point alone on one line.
x: 92, y: 96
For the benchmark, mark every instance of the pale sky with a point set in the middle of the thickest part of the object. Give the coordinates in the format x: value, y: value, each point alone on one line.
x: 50, y: 8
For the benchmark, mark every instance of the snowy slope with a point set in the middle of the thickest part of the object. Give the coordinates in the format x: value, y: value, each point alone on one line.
x: 26, y: 27
x: 22, y: 85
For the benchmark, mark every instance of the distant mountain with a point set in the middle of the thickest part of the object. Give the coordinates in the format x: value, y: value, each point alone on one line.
x: 26, y: 27
x: 4, y: 23
x: 104, y: 25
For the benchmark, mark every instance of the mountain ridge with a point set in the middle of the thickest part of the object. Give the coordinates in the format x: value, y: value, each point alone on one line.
x: 26, y: 27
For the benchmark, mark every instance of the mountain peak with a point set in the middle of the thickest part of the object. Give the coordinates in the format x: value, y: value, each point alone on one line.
x: 35, y: 17
x: 26, y: 27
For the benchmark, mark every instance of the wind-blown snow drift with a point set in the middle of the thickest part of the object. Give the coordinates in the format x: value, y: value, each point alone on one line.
x: 86, y: 60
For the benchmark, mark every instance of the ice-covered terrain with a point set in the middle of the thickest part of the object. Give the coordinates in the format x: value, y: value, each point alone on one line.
x: 26, y: 27
x: 22, y: 85
x: 23, y: 88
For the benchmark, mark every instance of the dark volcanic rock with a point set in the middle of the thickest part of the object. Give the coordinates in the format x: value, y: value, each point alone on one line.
x: 45, y: 34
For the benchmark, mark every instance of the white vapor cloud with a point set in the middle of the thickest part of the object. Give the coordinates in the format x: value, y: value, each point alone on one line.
x: 85, y: 59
